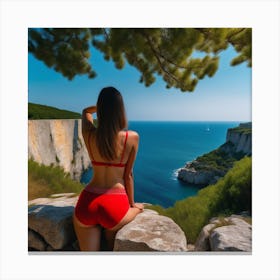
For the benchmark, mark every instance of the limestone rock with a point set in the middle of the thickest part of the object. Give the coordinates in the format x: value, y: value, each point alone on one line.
x: 236, y: 237
x: 200, y: 177
x: 232, y: 234
x: 242, y: 142
x: 202, y: 242
x: 150, y: 231
x: 64, y: 199
x: 35, y: 241
x: 52, y: 220
x: 50, y: 228
x: 58, y: 142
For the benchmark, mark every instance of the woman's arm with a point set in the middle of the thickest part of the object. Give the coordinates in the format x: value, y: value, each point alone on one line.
x: 87, y: 119
x: 129, y: 186
x: 128, y: 174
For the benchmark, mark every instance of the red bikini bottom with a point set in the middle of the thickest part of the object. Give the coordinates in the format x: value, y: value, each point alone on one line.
x: 105, y: 207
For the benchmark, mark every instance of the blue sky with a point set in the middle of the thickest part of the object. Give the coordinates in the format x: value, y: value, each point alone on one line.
x: 224, y: 97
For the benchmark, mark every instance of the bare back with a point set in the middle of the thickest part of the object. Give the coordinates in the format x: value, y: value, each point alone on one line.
x: 108, y: 176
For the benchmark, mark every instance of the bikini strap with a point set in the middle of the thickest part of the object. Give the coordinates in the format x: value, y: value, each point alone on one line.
x: 126, y: 135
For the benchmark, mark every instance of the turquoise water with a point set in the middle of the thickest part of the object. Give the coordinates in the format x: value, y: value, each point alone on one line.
x: 164, y: 148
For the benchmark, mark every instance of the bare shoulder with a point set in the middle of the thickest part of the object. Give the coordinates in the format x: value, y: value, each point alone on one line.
x: 133, y: 135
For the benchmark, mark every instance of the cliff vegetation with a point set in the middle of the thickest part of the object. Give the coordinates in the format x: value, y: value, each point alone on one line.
x: 44, y: 181
x: 37, y: 112
x: 217, y: 160
x: 223, y: 158
x: 231, y: 194
x: 208, y: 168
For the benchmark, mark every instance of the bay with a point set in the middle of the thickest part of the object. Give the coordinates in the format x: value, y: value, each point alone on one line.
x: 164, y: 148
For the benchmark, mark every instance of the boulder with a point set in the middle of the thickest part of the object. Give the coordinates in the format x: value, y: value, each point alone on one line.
x: 235, y: 237
x: 51, y: 220
x: 35, y: 241
x: 150, y: 231
x: 227, y: 234
x: 50, y: 228
x: 202, y: 242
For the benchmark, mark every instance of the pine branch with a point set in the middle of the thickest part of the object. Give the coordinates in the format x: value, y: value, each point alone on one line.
x: 148, y: 40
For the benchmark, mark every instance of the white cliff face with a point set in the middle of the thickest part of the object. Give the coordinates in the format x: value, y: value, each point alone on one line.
x: 58, y: 142
x: 242, y: 141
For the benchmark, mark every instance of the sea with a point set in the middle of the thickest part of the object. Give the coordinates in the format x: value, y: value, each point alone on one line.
x: 164, y: 148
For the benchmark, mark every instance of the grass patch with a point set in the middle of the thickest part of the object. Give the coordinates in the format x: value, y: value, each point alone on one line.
x: 38, y: 112
x: 43, y: 181
x: 231, y: 194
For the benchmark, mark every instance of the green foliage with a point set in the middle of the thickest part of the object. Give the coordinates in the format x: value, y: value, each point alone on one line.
x: 241, y: 130
x: 167, y: 52
x: 231, y: 194
x: 66, y: 50
x: 237, y: 194
x: 44, y: 181
x: 37, y: 112
x: 217, y: 160
x: 222, y: 159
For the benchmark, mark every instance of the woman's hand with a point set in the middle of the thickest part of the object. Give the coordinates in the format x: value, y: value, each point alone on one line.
x: 138, y: 205
x: 90, y: 109
x: 87, y: 120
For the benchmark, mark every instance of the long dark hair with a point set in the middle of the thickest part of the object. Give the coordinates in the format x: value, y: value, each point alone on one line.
x: 111, y: 119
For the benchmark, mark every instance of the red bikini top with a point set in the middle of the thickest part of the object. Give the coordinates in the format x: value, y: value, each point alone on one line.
x: 101, y: 163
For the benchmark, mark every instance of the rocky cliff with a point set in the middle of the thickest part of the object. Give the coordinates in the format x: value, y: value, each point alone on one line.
x: 240, y: 139
x: 208, y: 168
x: 58, y: 142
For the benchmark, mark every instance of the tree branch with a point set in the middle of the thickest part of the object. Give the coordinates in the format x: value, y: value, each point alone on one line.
x: 158, y: 58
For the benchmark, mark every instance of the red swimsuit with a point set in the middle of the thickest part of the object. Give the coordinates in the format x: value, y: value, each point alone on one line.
x: 102, y: 206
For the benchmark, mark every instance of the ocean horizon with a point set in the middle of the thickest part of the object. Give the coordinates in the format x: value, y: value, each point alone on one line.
x: 165, y: 147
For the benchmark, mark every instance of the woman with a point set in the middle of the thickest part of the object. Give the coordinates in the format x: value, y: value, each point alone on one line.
x: 108, y: 200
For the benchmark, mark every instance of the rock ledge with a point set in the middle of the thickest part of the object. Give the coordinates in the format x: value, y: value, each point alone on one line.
x: 150, y: 231
x: 50, y: 228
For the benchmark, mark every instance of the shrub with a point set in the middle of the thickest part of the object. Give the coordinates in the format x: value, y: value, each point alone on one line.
x: 44, y: 181
x: 231, y: 194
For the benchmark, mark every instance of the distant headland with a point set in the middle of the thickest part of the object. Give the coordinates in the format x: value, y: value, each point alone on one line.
x: 208, y: 168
